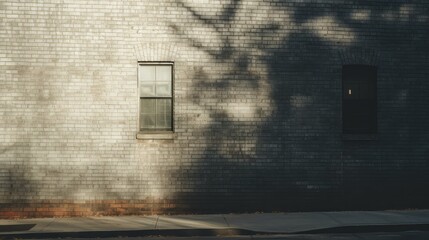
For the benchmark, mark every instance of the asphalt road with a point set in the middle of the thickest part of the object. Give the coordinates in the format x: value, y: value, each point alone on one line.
x: 408, y: 235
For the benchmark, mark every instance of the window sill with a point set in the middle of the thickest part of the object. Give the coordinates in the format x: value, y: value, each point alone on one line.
x: 360, y: 137
x: 161, y: 135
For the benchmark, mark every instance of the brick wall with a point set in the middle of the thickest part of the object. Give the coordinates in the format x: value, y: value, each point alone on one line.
x: 257, y: 106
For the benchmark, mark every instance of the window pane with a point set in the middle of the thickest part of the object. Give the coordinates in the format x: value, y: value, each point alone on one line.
x: 147, y: 106
x: 163, y: 113
x: 147, y: 113
x: 147, y: 121
x: 163, y: 74
x: 163, y: 89
x: 147, y: 89
x: 147, y: 74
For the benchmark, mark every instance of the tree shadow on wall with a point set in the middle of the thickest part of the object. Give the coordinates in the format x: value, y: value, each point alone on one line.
x: 292, y: 157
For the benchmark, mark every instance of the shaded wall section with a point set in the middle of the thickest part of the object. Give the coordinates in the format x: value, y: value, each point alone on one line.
x: 257, y: 107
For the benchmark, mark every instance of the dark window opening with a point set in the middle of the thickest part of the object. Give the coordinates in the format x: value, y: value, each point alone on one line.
x: 359, y: 106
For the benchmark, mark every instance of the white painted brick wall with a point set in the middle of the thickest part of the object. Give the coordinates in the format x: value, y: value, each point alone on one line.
x: 257, y: 100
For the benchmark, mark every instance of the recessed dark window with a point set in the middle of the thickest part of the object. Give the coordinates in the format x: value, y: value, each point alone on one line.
x: 156, y: 96
x: 359, y: 99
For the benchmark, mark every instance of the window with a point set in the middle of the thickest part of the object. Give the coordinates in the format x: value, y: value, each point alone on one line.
x: 156, y: 97
x: 359, y: 99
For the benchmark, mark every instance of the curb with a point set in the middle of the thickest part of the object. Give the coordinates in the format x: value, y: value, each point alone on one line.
x: 369, y: 229
x: 133, y: 233
x: 16, y: 227
x: 212, y: 232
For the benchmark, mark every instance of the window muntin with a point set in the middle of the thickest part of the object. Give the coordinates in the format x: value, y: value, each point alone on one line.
x: 156, y: 96
x: 359, y: 108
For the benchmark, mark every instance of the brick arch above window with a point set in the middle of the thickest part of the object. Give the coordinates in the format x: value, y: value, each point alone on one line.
x: 156, y: 52
x: 359, y: 56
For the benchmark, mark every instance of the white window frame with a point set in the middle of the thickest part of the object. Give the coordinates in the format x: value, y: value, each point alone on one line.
x: 155, y: 134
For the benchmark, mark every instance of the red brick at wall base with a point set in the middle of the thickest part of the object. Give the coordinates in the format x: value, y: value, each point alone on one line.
x: 87, y: 208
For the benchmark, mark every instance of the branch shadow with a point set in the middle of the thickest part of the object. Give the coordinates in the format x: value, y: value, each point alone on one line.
x: 298, y: 161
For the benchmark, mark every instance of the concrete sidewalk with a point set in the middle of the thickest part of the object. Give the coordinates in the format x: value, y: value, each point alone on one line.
x: 218, y: 224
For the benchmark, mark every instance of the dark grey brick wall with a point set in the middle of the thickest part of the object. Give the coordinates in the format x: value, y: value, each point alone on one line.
x: 257, y: 106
